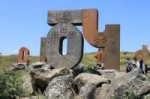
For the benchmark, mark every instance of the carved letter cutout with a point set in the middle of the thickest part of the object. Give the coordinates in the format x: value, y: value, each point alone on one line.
x: 109, y: 39
x: 63, y: 28
x: 23, y: 55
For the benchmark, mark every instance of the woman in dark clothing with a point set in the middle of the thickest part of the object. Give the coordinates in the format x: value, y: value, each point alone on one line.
x: 141, y: 66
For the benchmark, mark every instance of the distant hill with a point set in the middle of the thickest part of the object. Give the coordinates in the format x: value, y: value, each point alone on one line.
x: 88, y: 60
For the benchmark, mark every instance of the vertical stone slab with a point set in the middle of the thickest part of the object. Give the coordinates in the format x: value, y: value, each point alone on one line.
x: 43, y: 49
x: 109, y: 39
x: 143, y: 53
x: 64, y: 29
x: 23, y: 55
x: 112, y: 47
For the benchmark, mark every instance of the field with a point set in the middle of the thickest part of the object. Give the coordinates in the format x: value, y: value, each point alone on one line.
x: 88, y: 60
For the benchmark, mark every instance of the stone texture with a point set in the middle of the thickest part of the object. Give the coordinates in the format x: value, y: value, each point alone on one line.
x: 43, y: 78
x: 143, y: 53
x: 103, y: 92
x: 19, y: 66
x: 60, y: 87
x: 63, y: 30
x: 23, y: 55
x: 38, y: 66
x: 87, y: 91
x: 27, y: 83
x: 109, y: 39
x: 133, y: 82
x: 43, y: 49
x: 86, y: 78
x: 71, y: 16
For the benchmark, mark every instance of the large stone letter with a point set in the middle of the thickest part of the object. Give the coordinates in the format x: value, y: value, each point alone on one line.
x: 23, y: 55
x: 64, y: 29
x: 109, y: 39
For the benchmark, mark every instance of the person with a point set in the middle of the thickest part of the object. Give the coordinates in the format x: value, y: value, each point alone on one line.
x: 135, y: 63
x: 128, y: 65
x: 142, y: 67
x: 99, y: 58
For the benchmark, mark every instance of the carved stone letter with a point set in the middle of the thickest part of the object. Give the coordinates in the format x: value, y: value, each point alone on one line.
x: 23, y: 55
x: 64, y: 29
x: 109, y: 39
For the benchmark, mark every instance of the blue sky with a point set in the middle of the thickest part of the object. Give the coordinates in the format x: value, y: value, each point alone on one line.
x: 24, y: 22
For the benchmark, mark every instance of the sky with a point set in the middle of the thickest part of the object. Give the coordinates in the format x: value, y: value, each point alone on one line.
x: 24, y: 22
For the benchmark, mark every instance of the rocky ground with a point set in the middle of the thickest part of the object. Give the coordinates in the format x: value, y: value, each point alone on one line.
x: 64, y: 83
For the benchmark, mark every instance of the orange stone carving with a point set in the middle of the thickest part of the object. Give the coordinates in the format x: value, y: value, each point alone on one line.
x: 23, y: 55
x: 109, y: 39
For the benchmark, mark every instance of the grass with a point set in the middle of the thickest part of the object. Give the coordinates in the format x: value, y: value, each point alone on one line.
x: 88, y: 60
x: 7, y: 61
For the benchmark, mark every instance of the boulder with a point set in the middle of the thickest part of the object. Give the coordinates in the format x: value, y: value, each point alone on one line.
x: 43, y: 78
x: 33, y: 97
x: 87, y: 83
x: 18, y: 66
x: 133, y: 83
x: 103, y: 92
x: 83, y: 69
x: 85, y: 78
x: 61, y: 87
x: 86, y: 91
x: 37, y: 66
x: 27, y: 83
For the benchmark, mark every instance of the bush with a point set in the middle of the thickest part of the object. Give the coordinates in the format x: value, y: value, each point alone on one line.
x: 10, y: 85
x: 130, y: 94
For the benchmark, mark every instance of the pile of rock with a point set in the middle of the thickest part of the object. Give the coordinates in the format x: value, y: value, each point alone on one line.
x: 107, y: 84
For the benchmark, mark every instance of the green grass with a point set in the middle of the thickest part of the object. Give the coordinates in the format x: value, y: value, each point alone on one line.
x: 11, y: 84
x: 7, y: 61
x: 88, y: 60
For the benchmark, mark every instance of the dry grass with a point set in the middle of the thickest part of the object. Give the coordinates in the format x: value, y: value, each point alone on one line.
x: 88, y: 60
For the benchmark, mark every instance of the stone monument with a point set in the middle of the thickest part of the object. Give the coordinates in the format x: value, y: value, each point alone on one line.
x: 43, y: 49
x: 23, y: 56
x: 64, y: 23
x: 143, y: 53
x: 109, y: 39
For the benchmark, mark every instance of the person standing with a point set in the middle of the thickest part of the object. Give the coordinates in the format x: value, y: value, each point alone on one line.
x: 142, y: 67
x: 99, y: 58
x: 128, y: 65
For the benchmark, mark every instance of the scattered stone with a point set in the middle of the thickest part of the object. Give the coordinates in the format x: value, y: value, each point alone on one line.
x: 86, y: 91
x: 131, y: 83
x: 19, y: 66
x: 103, y: 92
x: 60, y: 87
x: 43, y: 78
x: 85, y: 78
x: 27, y: 83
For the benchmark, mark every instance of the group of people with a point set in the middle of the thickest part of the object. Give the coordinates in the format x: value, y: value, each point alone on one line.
x: 135, y: 63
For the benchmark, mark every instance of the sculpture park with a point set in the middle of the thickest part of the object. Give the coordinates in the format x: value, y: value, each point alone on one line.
x: 106, y: 73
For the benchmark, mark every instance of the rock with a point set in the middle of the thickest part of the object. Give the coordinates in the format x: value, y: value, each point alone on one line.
x: 87, y: 83
x: 39, y: 66
x: 33, y: 97
x: 133, y: 83
x: 110, y: 74
x: 27, y: 83
x: 61, y: 87
x: 146, y: 96
x: 43, y: 78
x: 82, y: 69
x: 103, y: 92
x: 85, y: 78
x: 36, y: 66
x: 86, y: 91
x: 19, y: 66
